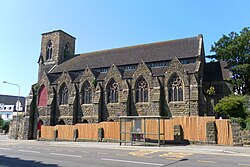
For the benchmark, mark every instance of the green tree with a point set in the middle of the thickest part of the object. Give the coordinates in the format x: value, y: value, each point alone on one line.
x: 1, y: 122
x: 234, y: 48
x: 6, y: 125
x: 232, y: 106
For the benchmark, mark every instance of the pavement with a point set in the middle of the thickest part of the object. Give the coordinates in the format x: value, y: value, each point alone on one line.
x: 200, y: 149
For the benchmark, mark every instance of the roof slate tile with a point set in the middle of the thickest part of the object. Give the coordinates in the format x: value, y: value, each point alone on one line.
x: 160, y: 51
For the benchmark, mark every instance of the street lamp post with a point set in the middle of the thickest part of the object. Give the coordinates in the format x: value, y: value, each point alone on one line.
x: 17, y: 107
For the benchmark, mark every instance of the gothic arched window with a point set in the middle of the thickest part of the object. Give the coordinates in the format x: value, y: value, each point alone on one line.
x: 86, y: 93
x: 49, y: 50
x: 66, y: 50
x: 175, y: 89
x: 64, y: 95
x: 141, y: 90
x: 43, y: 96
x: 112, y: 92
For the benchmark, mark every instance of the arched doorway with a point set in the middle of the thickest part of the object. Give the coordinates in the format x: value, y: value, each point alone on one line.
x: 39, y: 124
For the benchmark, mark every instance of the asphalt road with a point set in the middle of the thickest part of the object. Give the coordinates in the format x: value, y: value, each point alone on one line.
x: 52, y: 154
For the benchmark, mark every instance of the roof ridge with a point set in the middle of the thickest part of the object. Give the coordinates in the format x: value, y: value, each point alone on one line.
x: 151, y: 52
x: 58, y: 30
x: 136, y: 46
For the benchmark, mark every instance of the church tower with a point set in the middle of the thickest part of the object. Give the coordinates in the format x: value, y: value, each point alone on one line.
x: 57, y: 47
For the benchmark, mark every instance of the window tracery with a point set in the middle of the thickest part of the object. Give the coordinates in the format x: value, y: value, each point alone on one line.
x: 112, y: 92
x: 87, y: 93
x: 141, y: 90
x: 175, y: 89
x: 64, y: 95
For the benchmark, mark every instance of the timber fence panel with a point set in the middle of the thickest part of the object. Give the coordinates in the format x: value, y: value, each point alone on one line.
x: 125, y: 130
x: 169, y: 129
x: 194, y: 127
x: 201, y: 128
x: 224, y: 131
x: 111, y: 129
x: 65, y: 132
x: 47, y: 132
x: 151, y: 127
x: 128, y: 129
x: 87, y: 131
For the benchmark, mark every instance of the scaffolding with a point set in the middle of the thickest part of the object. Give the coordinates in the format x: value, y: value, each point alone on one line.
x: 142, y: 130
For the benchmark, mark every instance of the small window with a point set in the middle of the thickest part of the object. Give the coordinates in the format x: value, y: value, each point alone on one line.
x: 39, y: 124
x: 66, y: 50
x: 158, y: 64
x: 102, y: 70
x: 188, y: 61
x: 112, y: 92
x: 128, y: 67
x: 141, y: 90
x: 49, y: 51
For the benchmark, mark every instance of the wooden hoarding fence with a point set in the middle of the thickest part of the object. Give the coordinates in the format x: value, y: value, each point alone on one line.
x: 194, y: 129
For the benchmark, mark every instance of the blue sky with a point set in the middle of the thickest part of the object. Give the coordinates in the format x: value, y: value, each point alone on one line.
x: 105, y: 24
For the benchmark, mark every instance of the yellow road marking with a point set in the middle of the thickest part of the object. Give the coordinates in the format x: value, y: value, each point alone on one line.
x: 177, y: 155
x: 142, y: 153
x: 211, y: 162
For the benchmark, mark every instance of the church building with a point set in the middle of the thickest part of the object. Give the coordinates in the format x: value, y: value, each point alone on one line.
x: 168, y: 78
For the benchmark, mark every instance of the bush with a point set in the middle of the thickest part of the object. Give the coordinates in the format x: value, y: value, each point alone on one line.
x: 6, y: 126
x: 1, y: 122
x: 247, y: 122
x: 232, y: 106
x: 239, y: 121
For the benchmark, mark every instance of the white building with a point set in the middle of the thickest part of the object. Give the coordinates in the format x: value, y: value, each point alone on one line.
x: 6, y: 111
x: 9, y: 105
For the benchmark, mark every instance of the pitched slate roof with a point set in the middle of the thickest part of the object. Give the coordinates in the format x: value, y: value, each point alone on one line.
x: 190, y: 67
x: 101, y: 76
x: 11, y: 100
x: 160, y: 51
x: 52, y: 77
x: 159, y: 71
x: 216, y: 71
